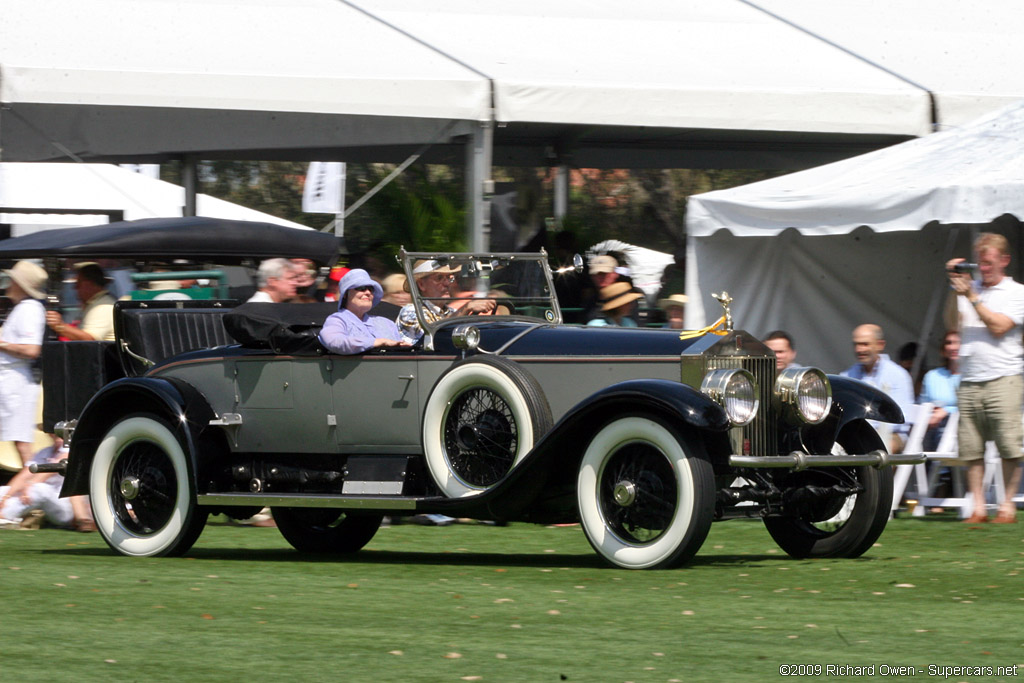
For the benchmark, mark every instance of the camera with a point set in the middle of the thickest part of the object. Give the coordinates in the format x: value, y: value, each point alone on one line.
x: 964, y: 267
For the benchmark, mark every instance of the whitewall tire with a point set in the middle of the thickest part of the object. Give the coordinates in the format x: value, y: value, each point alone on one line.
x: 645, y: 494
x: 141, y: 491
x: 483, y: 416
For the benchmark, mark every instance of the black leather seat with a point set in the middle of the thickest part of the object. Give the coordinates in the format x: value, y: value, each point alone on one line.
x: 158, y: 330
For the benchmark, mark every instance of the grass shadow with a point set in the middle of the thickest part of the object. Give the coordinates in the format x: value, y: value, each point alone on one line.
x: 413, y: 557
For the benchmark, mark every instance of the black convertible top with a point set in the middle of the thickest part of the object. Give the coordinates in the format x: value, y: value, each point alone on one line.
x: 226, y: 242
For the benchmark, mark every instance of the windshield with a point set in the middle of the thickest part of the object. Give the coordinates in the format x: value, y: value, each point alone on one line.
x: 519, y: 285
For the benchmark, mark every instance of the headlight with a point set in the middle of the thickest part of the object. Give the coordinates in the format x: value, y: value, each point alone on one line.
x: 804, y: 394
x: 734, y: 390
x: 466, y: 337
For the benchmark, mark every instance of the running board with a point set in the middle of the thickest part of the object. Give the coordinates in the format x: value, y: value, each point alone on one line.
x: 801, y: 461
x: 307, y: 500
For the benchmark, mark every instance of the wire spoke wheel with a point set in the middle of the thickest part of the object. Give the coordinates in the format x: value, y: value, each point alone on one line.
x: 840, y: 525
x: 483, y: 416
x: 480, y: 437
x: 645, y: 494
x: 638, y: 493
x: 141, y: 489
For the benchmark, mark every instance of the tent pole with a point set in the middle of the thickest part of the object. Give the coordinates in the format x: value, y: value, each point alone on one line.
x: 561, y: 194
x: 189, y: 180
x: 479, y: 186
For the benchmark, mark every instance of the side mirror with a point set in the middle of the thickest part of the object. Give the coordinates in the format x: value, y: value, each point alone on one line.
x: 577, y: 265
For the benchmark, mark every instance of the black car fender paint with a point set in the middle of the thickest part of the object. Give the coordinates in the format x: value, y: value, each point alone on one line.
x: 859, y: 400
x: 181, y: 404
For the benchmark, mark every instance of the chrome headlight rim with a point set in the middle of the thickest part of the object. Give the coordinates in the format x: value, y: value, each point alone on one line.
x: 791, y: 389
x: 724, y: 387
x: 466, y: 337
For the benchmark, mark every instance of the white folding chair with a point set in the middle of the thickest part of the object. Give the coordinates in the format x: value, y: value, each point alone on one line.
x: 915, y: 444
x: 946, y: 450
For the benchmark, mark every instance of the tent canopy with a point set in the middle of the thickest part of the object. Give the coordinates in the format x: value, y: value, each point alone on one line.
x: 970, y: 174
x: 104, y: 189
x: 686, y: 83
x: 861, y: 240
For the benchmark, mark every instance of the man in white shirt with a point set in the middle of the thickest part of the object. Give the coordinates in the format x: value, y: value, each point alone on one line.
x: 989, y: 313
x: 276, y: 281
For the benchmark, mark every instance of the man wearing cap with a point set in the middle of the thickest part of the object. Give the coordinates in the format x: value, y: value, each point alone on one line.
x: 21, y: 340
x: 434, y: 281
x: 604, y: 271
x: 97, y: 322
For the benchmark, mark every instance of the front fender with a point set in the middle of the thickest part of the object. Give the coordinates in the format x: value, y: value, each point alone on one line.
x: 179, y: 403
x: 673, y: 398
x: 545, y: 479
x: 860, y: 400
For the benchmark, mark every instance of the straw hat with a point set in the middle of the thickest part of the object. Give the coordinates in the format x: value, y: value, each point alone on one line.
x: 673, y: 301
x: 429, y: 266
x: 424, y: 267
x: 30, y: 277
x: 617, y: 294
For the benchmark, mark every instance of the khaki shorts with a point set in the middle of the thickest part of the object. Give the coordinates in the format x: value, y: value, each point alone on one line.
x: 991, y: 411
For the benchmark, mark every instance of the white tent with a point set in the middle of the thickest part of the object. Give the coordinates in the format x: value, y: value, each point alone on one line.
x: 860, y: 240
x: 662, y: 83
x: 106, y: 78
x: 44, y: 191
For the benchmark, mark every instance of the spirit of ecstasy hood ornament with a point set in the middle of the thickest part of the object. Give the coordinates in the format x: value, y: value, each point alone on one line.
x: 725, y: 300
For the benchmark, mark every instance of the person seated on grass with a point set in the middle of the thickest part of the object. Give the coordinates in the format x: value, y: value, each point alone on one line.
x: 30, y: 499
x: 352, y: 329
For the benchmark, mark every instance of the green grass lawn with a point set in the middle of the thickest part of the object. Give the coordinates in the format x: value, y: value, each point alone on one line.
x: 521, y: 603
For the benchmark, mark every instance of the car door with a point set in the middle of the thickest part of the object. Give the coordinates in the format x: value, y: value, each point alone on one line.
x: 376, y: 404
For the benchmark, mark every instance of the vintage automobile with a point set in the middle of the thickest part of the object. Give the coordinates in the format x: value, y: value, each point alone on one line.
x: 643, y: 436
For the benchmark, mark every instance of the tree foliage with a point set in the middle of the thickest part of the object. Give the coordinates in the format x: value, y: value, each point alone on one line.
x: 423, y: 209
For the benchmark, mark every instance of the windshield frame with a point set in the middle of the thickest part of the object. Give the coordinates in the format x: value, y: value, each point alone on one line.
x: 552, y: 316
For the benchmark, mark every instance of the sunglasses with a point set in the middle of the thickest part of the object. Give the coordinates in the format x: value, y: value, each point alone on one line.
x: 362, y: 288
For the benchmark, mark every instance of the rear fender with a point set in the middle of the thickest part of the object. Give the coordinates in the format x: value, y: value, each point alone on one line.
x: 179, y: 403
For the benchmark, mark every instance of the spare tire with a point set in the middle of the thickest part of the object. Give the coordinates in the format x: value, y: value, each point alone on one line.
x: 483, y: 416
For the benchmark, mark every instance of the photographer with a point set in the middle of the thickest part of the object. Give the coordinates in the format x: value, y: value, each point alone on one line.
x: 989, y: 313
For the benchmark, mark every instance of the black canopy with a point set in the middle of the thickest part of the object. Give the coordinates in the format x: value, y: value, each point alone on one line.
x: 194, y: 238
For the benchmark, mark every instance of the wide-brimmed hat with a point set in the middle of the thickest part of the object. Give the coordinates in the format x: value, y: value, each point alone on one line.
x: 673, y: 300
x: 424, y: 267
x: 30, y: 277
x: 617, y: 294
x: 357, y: 277
x: 430, y: 266
x: 603, y: 264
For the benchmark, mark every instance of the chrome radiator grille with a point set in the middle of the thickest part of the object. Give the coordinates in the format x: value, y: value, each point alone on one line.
x: 759, y: 437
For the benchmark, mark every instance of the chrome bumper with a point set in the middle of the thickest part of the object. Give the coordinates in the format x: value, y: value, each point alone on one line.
x: 801, y: 461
